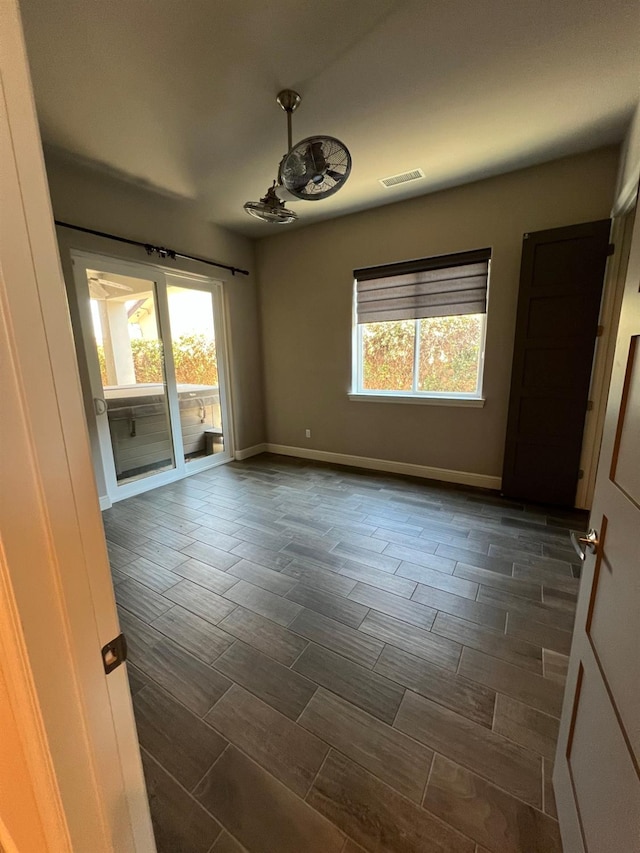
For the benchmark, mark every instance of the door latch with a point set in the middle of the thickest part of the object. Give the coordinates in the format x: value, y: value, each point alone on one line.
x: 114, y: 653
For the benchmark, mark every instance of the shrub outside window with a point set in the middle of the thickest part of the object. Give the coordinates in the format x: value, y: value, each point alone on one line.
x: 420, y: 327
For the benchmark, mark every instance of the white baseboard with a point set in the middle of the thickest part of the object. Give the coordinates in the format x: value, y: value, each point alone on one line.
x: 250, y: 451
x: 465, y: 478
x: 105, y: 502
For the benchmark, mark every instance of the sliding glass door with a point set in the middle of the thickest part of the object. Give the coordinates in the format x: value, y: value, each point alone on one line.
x: 155, y: 352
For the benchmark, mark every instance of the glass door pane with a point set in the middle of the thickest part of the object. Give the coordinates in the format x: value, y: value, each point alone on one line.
x: 195, y: 357
x: 132, y: 372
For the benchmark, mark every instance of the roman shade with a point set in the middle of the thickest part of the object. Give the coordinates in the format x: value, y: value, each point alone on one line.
x: 431, y: 287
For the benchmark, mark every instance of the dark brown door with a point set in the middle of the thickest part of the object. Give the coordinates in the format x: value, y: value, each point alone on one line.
x: 561, y: 280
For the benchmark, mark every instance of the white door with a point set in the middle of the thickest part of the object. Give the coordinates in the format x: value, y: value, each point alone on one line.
x: 57, y: 611
x: 156, y: 357
x: 597, y: 770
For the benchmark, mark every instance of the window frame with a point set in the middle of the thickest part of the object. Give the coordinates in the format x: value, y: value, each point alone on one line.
x: 454, y: 398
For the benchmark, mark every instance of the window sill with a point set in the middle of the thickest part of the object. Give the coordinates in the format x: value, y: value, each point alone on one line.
x: 419, y: 400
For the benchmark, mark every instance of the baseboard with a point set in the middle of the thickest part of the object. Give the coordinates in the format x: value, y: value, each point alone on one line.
x: 465, y: 478
x: 105, y: 502
x: 250, y: 451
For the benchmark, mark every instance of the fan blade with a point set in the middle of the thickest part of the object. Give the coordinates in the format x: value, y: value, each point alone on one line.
x: 337, y: 176
x: 115, y: 284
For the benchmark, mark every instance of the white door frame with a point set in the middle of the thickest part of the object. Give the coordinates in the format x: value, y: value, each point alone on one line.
x: 162, y: 276
x: 56, y: 597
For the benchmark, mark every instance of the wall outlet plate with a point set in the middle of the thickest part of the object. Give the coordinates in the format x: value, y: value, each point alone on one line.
x: 307, y: 433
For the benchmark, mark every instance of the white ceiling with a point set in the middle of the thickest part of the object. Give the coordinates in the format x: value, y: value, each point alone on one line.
x: 180, y: 94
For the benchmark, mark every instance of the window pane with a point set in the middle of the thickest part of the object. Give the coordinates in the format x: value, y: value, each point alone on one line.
x: 387, y: 355
x: 449, y: 353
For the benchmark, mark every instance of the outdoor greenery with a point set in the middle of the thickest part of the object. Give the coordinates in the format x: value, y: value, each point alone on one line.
x: 194, y: 357
x: 448, y: 358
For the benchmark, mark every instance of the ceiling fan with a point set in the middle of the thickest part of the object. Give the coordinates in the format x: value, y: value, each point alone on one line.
x: 312, y: 169
x: 98, y: 287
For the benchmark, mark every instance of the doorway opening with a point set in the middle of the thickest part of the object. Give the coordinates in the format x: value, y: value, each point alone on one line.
x: 155, y: 350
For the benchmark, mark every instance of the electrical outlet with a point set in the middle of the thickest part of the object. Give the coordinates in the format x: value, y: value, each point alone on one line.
x: 307, y: 433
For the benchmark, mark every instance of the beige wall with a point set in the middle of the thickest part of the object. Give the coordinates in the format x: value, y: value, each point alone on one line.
x: 306, y: 302
x: 105, y: 203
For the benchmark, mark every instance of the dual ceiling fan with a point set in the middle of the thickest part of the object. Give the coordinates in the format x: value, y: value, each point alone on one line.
x: 313, y: 169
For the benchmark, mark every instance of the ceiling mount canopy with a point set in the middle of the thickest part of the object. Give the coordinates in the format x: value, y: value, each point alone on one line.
x: 311, y: 170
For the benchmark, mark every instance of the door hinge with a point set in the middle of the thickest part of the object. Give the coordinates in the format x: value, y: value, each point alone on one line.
x: 611, y: 248
x: 599, y: 331
x: 589, y: 405
x: 114, y: 653
x: 580, y: 474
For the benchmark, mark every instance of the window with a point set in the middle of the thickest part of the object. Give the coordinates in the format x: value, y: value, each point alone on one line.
x: 420, y: 328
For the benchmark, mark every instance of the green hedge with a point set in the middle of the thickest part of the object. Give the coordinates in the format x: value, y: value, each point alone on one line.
x: 194, y: 357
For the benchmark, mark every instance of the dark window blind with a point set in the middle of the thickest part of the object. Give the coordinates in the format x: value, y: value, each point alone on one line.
x: 432, y: 287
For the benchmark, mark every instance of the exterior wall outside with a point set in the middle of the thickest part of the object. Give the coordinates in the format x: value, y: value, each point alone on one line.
x: 93, y: 199
x: 306, y: 290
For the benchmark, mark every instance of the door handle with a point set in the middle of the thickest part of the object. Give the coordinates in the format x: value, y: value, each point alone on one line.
x: 100, y: 406
x: 590, y: 543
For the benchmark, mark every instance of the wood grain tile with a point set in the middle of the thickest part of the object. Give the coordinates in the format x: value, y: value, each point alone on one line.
x: 383, y: 562
x: 180, y: 824
x: 453, y: 691
x: 381, y: 580
x: 416, y: 557
x: 547, y: 789
x: 473, y: 558
x: 292, y: 754
x: 261, y: 576
x: 286, y: 691
x: 205, y: 575
x: 472, y: 611
x: 349, y: 642
x: 184, y: 745
x: 314, y: 576
x: 518, y: 652
x: 393, y: 605
x: 537, y: 611
x: 368, y: 690
x: 261, y: 812
x: 217, y: 538
x: 227, y: 844
x: 490, y: 816
x: 385, y: 752
x: 119, y: 556
x: 140, y: 600
x: 550, y: 580
x: 194, y: 634
x: 204, y: 603
x: 263, y: 634
x: 377, y: 817
x: 523, y: 588
x: 314, y: 555
x: 555, y: 666
x: 419, y: 642
x: 534, y: 690
x: 526, y: 726
x: 439, y: 580
x: 538, y: 634
x: 215, y: 557
x: 262, y: 556
x: 150, y: 574
x: 160, y: 554
x: 335, y: 607
x: 479, y: 749
x: 279, y: 610
x: 185, y: 677
x: 141, y: 637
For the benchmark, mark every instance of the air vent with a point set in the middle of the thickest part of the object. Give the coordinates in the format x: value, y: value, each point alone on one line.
x: 402, y: 178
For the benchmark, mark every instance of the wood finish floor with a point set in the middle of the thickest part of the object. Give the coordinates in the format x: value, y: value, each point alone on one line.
x: 324, y: 659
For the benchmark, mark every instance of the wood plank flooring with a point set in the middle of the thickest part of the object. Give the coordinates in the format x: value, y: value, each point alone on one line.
x: 327, y: 659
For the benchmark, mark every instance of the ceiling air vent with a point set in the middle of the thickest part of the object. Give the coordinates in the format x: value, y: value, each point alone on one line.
x: 402, y: 178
